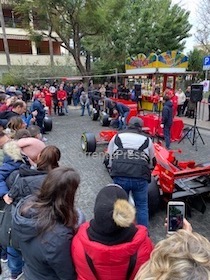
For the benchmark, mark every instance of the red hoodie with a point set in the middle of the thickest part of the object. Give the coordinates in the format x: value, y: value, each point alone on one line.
x: 61, y: 95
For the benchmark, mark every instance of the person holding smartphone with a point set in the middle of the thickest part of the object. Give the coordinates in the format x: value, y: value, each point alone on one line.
x: 182, y: 255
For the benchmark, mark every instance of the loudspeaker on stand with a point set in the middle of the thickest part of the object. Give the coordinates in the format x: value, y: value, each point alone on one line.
x: 196, y: 94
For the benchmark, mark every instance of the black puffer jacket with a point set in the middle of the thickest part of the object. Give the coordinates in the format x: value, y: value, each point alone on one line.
x: 47, y: 256
x: 28, y: 182
x: 167, y: 114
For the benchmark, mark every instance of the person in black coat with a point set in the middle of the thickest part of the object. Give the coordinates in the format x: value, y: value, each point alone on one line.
x: 45, y: 224
x: 24, y: 182
x: 167, y: 120
x: 185, y: 105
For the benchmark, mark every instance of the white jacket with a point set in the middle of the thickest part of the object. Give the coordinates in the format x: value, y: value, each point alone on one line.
x: 181, y: 97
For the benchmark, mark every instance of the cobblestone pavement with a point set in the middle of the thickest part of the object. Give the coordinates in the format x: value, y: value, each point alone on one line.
x: 66, y: 135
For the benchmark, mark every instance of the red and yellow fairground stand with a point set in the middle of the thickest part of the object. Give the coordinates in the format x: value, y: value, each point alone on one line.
x: 168, y: 65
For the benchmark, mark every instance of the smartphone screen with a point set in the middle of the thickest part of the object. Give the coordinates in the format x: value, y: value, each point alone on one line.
x: 176, y: 214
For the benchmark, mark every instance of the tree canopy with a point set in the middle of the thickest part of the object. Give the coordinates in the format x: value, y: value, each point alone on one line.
x: 156, y: 25
x: 106, y: 31
x: 203, y: 25
x: 144, y: 26
x: 196, y: 60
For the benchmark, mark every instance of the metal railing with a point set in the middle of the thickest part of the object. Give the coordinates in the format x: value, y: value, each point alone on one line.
x: 13, y: 22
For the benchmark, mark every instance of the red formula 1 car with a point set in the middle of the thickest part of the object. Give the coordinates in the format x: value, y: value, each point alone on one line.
x: 171, y: 179
x: 151, y: 120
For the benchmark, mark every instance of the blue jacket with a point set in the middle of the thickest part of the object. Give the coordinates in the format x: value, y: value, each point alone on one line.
x: 167, y: 114
x: 37, y: 105
x: 12, y: 161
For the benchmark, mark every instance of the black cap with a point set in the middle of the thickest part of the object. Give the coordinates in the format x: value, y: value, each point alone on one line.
x: 135, y: 122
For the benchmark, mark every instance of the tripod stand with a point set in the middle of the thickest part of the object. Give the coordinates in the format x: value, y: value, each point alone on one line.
x: 193, y: 133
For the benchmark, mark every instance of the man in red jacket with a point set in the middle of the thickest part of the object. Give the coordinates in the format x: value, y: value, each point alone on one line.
x: 62, y: 100
x: 48, y: 98
x: 174, y: 99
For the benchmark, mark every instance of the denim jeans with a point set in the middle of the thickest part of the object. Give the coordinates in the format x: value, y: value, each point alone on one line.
x: 75, y: 100
x: 167, y: 136
x: 155, y: 107
x: 65, y: 105
x: 15, y: 261
x: 40, y: 123
x: 139, y: 188
x: 83, y: 109
x: 122, y: 123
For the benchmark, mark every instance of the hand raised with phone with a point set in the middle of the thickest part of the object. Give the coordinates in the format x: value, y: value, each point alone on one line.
x: 186, y: 225
x: 176, y: 217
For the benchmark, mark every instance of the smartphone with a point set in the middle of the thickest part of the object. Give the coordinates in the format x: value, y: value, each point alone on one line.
x: 175, y: 216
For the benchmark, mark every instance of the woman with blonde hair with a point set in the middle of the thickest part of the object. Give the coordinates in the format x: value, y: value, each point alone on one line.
x: 184, y: 255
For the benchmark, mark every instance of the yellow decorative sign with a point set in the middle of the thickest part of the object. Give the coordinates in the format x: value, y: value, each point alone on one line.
x: 169, y: 59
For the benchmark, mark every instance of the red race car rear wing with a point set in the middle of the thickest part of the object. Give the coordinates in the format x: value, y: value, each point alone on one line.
x: 169, y: 169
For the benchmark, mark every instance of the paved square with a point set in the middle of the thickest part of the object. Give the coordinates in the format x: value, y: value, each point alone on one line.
x: 66, y: 136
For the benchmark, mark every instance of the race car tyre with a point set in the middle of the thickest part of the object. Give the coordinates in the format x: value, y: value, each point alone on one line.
x: 88, y: 142
x: 153, y: 197
x: 104, y: 119
x: 48, y: 123
x: 94, y: 114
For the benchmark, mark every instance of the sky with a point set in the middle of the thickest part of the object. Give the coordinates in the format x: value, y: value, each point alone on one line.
x: 190, y: 5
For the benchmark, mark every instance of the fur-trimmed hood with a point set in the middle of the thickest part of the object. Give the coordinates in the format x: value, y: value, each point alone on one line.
x: 12, y: 150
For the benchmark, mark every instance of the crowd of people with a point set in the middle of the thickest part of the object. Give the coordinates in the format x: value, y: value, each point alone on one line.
x: 50, y: 238
x: 57, y: 97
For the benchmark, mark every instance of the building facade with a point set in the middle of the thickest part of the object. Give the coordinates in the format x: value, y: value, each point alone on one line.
x: 26, y: 50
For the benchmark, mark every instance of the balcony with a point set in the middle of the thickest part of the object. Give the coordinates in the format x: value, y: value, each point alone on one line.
x: 11, y: 22
x: 20, y: 32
